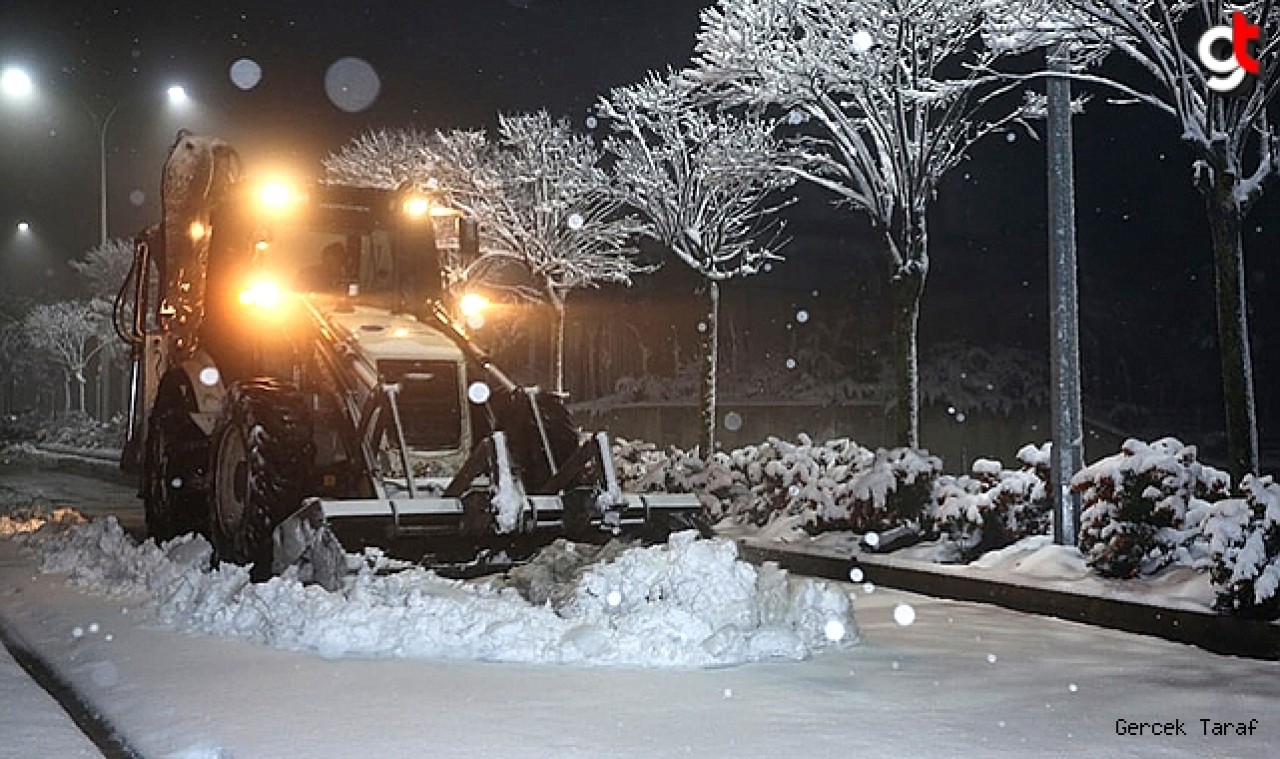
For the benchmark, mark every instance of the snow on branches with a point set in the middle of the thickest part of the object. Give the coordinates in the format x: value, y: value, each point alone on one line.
x: 705, y: 180
x: 893, y: 84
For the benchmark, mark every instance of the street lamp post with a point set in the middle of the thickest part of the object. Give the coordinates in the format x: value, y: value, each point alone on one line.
x: 15, y: 82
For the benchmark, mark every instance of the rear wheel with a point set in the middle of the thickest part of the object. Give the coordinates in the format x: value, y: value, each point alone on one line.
x: 175, y: 493
x: 261, y: 464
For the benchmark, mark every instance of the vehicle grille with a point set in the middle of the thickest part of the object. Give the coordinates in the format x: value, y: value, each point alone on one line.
x: 430, y: 409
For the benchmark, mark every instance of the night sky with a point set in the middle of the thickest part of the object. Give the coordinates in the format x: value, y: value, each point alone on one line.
x: 1146, y: 275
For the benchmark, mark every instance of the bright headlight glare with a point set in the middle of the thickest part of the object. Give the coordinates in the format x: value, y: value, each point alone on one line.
x: 473, y: 304
x: 263, y: 293
x: 276, y: 195
x: 416, y: 207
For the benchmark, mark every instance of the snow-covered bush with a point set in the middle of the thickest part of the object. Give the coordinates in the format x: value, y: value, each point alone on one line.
x: 1244, y: 546
x: 971, y: 379
x: 893, y: 491
x: 643, y: 467
x: 994, y: 507
x: 1144, y: 504
x: 835, y: 485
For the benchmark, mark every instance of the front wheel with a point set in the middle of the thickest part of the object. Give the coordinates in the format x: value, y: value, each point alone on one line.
x: 262, y: 459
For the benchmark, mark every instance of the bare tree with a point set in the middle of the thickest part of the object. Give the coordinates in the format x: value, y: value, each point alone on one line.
x: 104, y: 269
x: 706, y: 182
x: 1235, y: 145
x: 892, y: 88
x: 1236, y: 148
x: 386, y: 158
x: 545, y: 205
x: 69, y: 333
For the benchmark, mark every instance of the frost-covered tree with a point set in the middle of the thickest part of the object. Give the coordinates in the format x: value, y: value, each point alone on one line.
x: 68, y: 333
x: 1237, y: 153
x: 543, y: 203
x: 891, y: 90
x: 103, y: 270
x: 386, y: 158
x: 707, y: 183
x: 1232, y: 136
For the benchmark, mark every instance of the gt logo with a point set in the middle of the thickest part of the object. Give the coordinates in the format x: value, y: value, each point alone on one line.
x: 1229, y: 72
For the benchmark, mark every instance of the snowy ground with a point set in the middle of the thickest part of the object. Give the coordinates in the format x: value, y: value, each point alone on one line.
x: 926, y: 678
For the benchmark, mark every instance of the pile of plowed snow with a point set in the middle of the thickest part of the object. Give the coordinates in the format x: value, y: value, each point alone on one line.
x: 687, y: 603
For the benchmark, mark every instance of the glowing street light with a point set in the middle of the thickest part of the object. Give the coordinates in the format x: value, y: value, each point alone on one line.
x: 15, y: 82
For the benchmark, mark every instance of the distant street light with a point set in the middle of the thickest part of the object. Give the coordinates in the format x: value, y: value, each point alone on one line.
x: 15, y: 82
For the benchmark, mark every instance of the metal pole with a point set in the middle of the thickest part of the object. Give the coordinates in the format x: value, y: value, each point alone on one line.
x: 102, y: 168
x: 1064, y: 373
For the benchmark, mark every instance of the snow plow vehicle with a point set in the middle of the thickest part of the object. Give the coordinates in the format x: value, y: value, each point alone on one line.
x: 301, y: 389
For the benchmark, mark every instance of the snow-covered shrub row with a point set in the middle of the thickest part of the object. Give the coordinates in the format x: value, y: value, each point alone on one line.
x: 1142, y: 508
x: 994, y: 507
x: 686, y: 603
x: 998, y: 379
x: 1244, y: 546
x: 836, y: 485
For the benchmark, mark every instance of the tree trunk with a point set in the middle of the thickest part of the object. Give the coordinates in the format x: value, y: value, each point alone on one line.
x: 710, y: 345
x: 557, y: 347
x: 1233, y: 327
x: 905, y: 289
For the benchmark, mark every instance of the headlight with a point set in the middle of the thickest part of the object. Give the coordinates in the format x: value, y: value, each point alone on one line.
x: 277, y: 196
x: 472, y: 305
x: 263, y: 293
x: 416, y: 206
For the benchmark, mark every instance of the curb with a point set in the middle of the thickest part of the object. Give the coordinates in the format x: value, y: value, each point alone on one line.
x: 1218, y: 633
x: 102, y: 464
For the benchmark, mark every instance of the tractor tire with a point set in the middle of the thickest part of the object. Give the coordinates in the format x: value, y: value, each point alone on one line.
x: 175, y: 493
x: 262, y: 456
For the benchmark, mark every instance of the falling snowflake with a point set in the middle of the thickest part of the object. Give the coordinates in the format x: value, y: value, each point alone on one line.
x: 733, y: 421
x: 478, y: 392
x: 855, y: 574
x: 904, y: 614
x: 834, y: 630
x: 575, y: 221
x: 802, y: 316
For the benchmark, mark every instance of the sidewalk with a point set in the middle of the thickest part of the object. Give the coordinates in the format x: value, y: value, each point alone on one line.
x: 1213, y: 632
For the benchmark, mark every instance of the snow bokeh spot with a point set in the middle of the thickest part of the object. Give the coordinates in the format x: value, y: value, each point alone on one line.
x: 137, y: 198
x: 733, y: 421
x: 802, y: 316
x: 592, y: 122
x: 246, y: 73
x: 991, y: 658
x: 575, y: 221
x: 834, y: 630
x: 856, y: 575
x: 791, y: 363
x: 904, y: 614
x: 872, y: 539
x: 352, y: 84
x: 209, y: 376
x: 478, y: 393
x: 861, y: 41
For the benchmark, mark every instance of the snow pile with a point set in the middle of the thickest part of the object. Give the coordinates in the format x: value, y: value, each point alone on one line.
x: 994, y: 506
x: 686, y: 603
x: 1244, y: 545
x: 1142, y: 507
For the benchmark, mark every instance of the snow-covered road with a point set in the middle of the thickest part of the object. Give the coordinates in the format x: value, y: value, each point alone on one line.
x: 956, y: 679
x: 960, y: 679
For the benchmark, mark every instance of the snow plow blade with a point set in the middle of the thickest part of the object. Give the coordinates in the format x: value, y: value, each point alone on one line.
x: 444, y: 529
